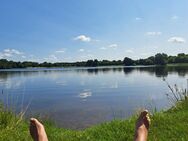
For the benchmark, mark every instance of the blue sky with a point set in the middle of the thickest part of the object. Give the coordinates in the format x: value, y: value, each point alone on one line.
x: 75, y: 30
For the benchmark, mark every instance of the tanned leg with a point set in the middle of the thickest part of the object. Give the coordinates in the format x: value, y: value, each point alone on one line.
x: 37, y: 130
x: 142, y: 127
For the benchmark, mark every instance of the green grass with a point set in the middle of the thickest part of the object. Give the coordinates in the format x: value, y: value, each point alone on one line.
x: 167, y: 125
x: 178, y: 64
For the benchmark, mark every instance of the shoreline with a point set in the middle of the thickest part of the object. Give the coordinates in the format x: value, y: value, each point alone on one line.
x: 163, y: 126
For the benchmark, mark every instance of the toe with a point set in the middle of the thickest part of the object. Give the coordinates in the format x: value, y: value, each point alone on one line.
x: 143, y: 114
x: 35, y: 122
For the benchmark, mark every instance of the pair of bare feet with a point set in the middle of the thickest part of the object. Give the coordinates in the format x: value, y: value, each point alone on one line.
x: 38, y: 132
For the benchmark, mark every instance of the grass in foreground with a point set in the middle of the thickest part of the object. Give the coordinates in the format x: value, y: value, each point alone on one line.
x: 168, y: 125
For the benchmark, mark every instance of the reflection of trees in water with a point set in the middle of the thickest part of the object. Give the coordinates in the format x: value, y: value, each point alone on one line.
x: 164, y: 71
x: 149, y: 70
x: 128, y: 70
x: 103, y: 70
x: 181, y: 70
x: 160, y: 71
x: 157, y: 71
x: 92, y: 71
x: 5, y: 75
x: 117, y: 69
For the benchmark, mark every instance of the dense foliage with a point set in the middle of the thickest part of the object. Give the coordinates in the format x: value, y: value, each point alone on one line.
x: 158, y: 59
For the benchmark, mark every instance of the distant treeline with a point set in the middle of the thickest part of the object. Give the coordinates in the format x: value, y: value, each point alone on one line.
x: 158, y: 59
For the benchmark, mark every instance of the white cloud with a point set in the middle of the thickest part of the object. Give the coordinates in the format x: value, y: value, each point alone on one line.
x: 34, y: 58
x: 103, y: 48
x: 12, y: 51
x: 51, y: 58
x: 153, y: 33
x: 176, y: 40
x: 31, y: 55
x: 145, y: 54
x: 174, y: 17
x: 7, y: 53
x: 138, y: 18
x: 83, y: 38
x: 87, y: 56
x: 113, y: 46
x: 129, y: 51
x: 23, y: 56
x: 81, y: 50
x: 61, y: 50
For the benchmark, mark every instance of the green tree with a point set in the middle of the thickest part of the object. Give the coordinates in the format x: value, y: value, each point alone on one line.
x: 95, y: 63
x: 171, y: 59
x: 128, y: 61
x: 89, y: 63
x: 161, y: 59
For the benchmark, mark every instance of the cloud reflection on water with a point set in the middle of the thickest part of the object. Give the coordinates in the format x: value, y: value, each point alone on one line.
x: 85, y: 94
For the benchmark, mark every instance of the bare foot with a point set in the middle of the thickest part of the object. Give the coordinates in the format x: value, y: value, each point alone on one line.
x: 142, y: 127
x: 37, y: 130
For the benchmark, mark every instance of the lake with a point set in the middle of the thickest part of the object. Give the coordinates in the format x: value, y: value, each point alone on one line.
x: 77, y: 98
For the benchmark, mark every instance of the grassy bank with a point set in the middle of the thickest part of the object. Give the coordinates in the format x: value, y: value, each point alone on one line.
x: 166, y: 125
x: 178, y: 64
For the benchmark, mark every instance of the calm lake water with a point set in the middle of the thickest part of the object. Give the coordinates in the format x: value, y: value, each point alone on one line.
x: 77, y: 98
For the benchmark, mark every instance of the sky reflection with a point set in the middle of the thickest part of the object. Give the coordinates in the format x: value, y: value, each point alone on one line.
x: 88, y: 95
